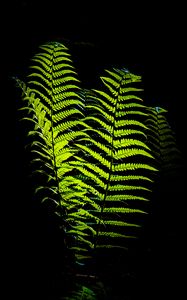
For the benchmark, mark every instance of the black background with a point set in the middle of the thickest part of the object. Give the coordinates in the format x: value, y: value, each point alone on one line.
x: 146, y: 39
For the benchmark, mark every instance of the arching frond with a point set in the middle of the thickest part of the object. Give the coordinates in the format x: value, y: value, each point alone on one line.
x: 116, y: 162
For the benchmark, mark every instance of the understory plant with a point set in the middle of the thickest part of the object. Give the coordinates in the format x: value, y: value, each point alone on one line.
x: 99, y: 153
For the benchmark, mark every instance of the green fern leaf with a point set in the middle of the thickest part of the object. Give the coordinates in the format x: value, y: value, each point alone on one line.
x: 161, y: 140
x: 108, y: 153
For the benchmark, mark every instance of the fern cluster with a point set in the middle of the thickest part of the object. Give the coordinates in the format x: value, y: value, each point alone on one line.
x: 99, y: 150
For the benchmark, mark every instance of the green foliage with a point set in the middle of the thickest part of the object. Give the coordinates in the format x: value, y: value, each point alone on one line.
x: 98, y: 150
x: 161, y: 140
x: 81, y: 292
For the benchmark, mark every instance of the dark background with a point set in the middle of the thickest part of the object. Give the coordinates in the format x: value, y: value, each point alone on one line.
x: 149, y: 41
x: 146, y: 39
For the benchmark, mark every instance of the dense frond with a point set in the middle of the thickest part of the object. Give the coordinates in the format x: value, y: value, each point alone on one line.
x: 161, y: 140
x: 55, y: 107
x: 116, y: 162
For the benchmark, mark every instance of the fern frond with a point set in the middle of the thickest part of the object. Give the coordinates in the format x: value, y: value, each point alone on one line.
x: 161, y: 140
x: 56, y: 109
x: 115, y: 158
x: 81, y: 292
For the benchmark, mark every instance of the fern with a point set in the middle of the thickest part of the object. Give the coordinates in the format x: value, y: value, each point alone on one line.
x: 161, y: 139
x: 111, y: 158
x: 55, y: 108
x: 82, y: 293
x: 99, y: 151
